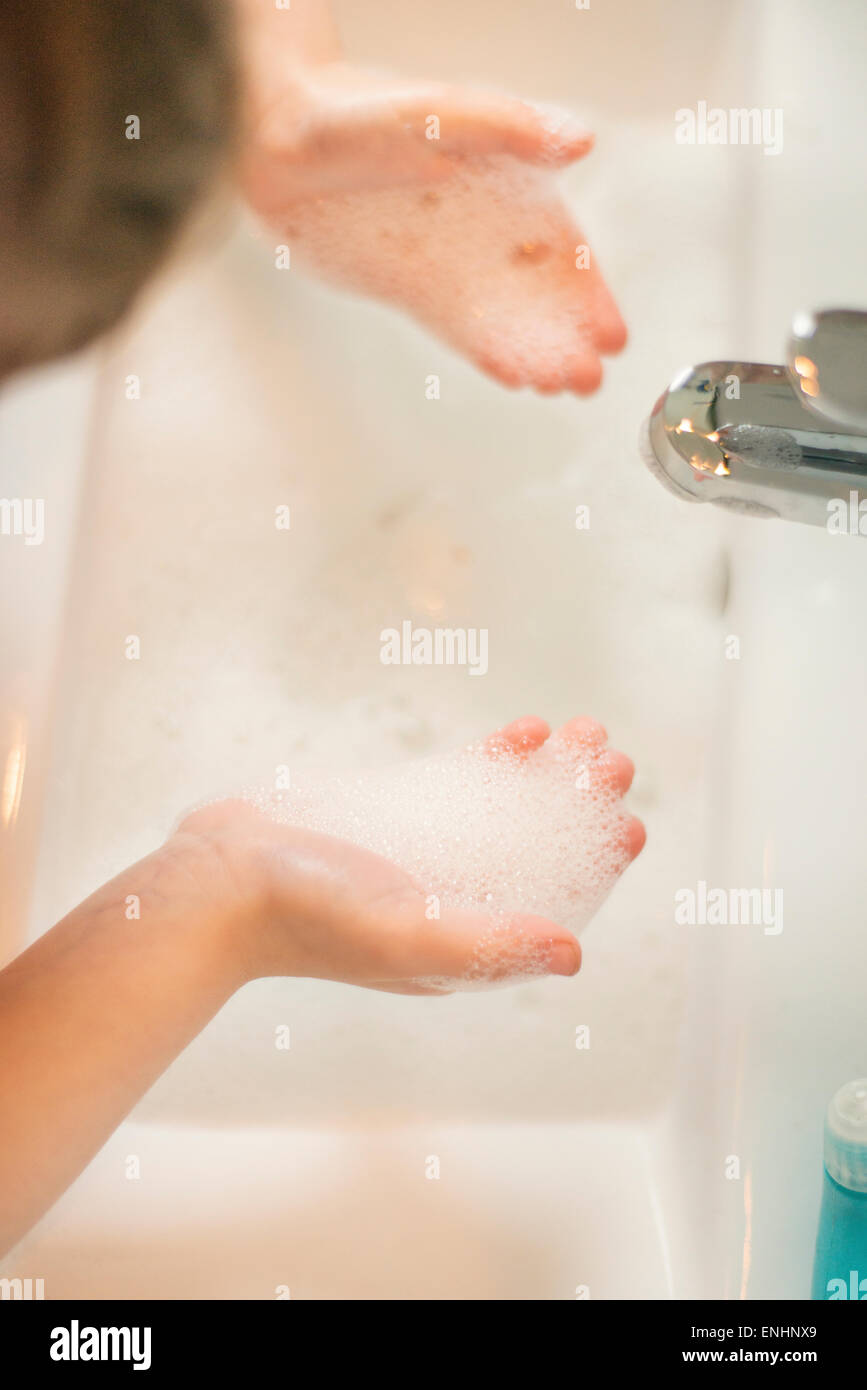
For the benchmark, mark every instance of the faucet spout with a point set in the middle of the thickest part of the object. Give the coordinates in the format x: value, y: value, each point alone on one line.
x: 774, y: 441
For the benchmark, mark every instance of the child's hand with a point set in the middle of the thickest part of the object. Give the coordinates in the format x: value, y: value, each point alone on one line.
x: 132, y: 974
x: 295, y: 901
x: 441, y: 199
x: 290, y: 901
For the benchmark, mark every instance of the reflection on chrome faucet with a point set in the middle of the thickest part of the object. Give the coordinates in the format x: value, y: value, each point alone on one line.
x: 773, y: 441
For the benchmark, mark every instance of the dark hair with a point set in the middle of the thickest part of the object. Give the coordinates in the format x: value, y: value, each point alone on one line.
x: 86, y: 209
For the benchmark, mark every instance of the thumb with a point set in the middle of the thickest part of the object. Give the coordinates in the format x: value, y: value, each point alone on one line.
x: 475, y: 950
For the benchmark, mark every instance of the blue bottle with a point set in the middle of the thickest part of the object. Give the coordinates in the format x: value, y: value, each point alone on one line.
x: 840, y: 1268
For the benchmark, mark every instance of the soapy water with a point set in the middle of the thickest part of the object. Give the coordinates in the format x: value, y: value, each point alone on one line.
x: 544, y: 835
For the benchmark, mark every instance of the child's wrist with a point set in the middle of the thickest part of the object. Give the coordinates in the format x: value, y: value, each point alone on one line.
x: 209, y: 902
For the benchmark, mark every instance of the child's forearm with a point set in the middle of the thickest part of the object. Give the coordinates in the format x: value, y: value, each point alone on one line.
x: 97, y: 1008
x: 304, y: 31
x: 91, y: 1014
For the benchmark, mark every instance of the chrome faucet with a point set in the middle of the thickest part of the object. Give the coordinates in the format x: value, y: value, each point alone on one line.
x: 787, y: 441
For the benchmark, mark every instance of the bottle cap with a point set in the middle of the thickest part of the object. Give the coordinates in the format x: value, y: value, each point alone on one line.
x: 846, y: 1136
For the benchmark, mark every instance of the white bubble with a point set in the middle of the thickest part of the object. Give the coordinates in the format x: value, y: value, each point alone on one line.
x: 498, y: 834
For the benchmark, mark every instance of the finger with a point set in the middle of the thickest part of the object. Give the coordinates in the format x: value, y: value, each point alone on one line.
x: 612, y: 769
x: 486, y: 123
x: 520, y: 737
x: 635, y: 837
x: 581, y: 734
x: 435, y: 122
x: 608, y: 329
x: 463, y: 949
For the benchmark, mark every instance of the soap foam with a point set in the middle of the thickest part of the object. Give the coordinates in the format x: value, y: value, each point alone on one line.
x: 480, y: 253
x: 477, y: 831
x: 503, y: 955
